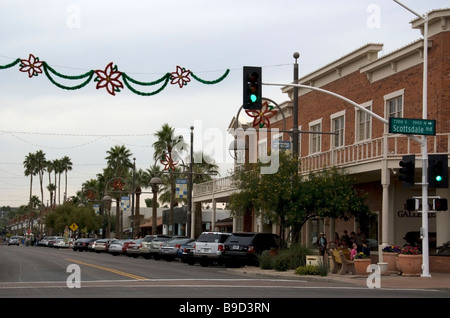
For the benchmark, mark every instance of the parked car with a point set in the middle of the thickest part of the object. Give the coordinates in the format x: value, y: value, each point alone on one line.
x: 46, y: 239
x: 209, y: 247
x: 151, y: 243
x: 61, y: 243
x: 125, y: 246
x: 244, y: 248
x: 82, y: 244
x: 169, y: 249
x: 115, y: 247
x: 51, y: 242
x: 14, y: 240
x: 134, y: 248
x: 91, y: 245
x: 100, y: 245
x: 186, y: 253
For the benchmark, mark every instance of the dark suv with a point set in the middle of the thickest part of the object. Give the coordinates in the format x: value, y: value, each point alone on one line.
x: 244, y: 248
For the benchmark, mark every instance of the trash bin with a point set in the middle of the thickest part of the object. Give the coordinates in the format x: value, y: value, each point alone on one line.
x: 315, y: 260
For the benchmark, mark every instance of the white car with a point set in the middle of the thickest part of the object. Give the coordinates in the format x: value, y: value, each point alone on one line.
x: 61, y: 243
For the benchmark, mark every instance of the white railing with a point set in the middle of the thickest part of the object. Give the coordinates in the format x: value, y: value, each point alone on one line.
x: 370, y: 150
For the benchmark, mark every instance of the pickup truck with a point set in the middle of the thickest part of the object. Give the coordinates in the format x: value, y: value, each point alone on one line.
x: 209, y: 246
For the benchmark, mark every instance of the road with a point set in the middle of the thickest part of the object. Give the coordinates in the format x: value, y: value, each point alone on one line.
x: 42, y: 272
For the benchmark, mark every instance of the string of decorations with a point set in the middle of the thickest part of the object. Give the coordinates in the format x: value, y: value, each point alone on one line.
x: 109, y: 78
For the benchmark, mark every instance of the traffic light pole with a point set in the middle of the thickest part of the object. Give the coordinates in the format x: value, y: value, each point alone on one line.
x: 423, y: 143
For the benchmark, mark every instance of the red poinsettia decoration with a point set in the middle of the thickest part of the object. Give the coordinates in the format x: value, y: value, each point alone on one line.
x: 168, y: 162
x: 32, y: 66
x: 180, y: 77
x: 90, y: 195
x: 109, y: 78
x: 118, y: 184
x: 261, y: 117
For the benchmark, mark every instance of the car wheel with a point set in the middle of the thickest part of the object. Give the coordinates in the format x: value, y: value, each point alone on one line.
x: 204, y: 263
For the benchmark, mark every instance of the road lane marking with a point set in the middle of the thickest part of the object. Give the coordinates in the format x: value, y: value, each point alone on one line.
x: 107, y: 269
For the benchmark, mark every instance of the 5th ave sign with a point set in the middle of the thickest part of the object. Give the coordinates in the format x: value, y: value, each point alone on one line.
x: 412, y: 126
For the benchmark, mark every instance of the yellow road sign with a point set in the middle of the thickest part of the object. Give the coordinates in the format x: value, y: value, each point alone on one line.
x: 74, y: 227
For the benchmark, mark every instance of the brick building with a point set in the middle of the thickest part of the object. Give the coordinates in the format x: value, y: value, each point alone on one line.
x: 390, y: 85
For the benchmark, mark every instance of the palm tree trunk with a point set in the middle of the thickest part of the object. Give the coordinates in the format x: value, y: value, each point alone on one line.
x: 137, y: 219
x: 198, y: 228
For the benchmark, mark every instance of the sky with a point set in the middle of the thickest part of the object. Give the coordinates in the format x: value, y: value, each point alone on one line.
x: 147, y: 39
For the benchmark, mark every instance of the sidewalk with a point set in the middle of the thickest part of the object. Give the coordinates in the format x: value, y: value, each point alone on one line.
x: 435, y: 281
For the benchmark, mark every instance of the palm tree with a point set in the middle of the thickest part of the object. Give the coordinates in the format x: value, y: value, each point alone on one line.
x: 202, y: 172
x: 41, y: 164
x: 153, y: 171
x: 119, y: 165
x: 168, y: 147
x: 51, y: 187
x: 58, y: 170
x: 30, y: 169
x: 66, y: 165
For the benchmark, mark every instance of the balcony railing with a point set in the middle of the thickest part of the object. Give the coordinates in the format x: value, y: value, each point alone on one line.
x: 370, y: 150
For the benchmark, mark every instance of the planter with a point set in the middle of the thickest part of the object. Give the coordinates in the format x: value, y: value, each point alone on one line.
x: 390, y: 259
x: 383, y: 268
x: 361, y: 266
x: 409, y: 265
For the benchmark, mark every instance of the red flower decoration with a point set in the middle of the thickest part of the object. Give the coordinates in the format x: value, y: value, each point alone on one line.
x: 261, y: 117
x: 32, y: 66
x: 180, y: 77
x: 118, y: 184
x: 168, y: 162
x: 109, y: 78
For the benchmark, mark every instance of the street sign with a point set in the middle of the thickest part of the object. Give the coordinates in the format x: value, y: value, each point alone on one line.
x: 281, y: 144
x: 74, y: 227
x: 411, y: 126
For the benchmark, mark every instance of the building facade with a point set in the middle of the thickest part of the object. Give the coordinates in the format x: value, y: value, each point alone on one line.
x: 390, y: 85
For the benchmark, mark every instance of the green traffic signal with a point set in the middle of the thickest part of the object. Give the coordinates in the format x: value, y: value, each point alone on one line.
x: 438, y: 178
x: 252, y: 87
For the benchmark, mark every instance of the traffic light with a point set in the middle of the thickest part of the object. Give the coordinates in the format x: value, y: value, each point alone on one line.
x: 412, y: 204
x: 408, y: 167
x: 440, y: 205
x: 437, y: 171
x: 252, y: 87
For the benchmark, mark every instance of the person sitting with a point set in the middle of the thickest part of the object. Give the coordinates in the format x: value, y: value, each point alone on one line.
x: 365, y: 249
x: 354, y: 251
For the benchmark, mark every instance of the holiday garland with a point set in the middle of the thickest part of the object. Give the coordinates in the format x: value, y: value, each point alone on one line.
x: 110, y: 78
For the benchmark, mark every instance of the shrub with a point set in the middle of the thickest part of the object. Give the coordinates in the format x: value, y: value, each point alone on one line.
x: 321, y: 270
x: 266, y: 261
x: 282, y: 263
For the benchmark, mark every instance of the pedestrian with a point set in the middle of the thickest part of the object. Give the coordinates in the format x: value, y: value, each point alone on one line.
x: 354, y: 251
x: 345, y: 239
x: 322, y: 243
x: 365, y: 248
x: 360, y: 237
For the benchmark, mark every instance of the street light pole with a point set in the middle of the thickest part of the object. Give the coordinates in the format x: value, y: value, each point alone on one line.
x: 295, y: 109
x: 424, y: 148
x: 133, y: 188
x: 189, y: 223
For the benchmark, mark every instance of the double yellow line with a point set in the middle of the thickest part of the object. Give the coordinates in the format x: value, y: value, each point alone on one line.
x: 107, y: 269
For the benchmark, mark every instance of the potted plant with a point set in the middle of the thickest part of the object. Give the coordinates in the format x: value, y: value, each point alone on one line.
x: 409, y: 261
x: 390, y: 253
x: 361, y: 262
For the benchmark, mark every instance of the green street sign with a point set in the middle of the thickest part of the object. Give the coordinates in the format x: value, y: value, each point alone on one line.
x: 412, y: 126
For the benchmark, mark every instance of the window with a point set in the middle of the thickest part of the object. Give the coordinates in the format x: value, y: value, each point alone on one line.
x: 395, y: 107
x: 337, y: 127
x: 363, y: 123
x: 262, y: 151
x: 394, y: 104
x: 315, y: 139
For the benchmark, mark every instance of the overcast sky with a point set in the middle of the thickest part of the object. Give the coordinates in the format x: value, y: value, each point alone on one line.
x: 147, y: 39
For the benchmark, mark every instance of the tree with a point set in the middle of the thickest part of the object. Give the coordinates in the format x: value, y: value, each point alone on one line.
x: 288, y: 198
x: 119, y: 165
x: 66, y: 165
x: 41, y: 164
x: 168, y: 149
x: 30, y: 169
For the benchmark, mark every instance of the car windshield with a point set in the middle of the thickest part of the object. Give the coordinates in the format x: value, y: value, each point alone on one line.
x: 212, y: 238
x: 241, y: 239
